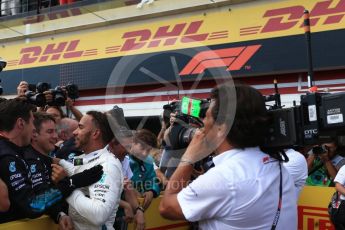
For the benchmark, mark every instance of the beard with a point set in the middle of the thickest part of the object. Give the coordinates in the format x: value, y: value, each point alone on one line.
x: 82, y: 143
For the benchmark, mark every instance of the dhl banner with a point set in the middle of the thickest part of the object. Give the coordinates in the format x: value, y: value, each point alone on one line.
x: 229, y: 24
x: 312, y: 214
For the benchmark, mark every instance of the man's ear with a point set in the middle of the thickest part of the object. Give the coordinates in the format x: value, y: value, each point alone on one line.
x: 96, y: 133
x: 222, y: 130
x: 20, y: 123
x: 34, y: 134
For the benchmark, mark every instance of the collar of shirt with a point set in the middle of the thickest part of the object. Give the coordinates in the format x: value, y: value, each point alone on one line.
x: 90, y: 156
x: 222, y: 157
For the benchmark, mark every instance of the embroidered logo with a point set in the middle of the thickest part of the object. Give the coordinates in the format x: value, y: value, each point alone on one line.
x: 33, y: 168
x: 102, y: 179
x: 12, y: 166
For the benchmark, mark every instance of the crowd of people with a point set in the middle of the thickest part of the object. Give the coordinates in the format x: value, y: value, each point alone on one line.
x: 87, y: 172
x: 14, y: 7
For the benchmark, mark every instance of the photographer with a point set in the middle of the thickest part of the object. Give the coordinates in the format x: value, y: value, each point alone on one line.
x: 52, y: 97
x: 323, y: 165
x: 246, y: 189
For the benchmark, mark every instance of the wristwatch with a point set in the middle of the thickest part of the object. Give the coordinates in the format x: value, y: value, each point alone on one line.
x: 61, y: 214
x: 139, y: 208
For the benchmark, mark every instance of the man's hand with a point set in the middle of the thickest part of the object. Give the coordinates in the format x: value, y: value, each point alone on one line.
x: 127, y: 184
x: 324, y: 157
x: 128, y: 213
x: 199, y: 147
x: 87, y: 177
x: 65, y: 223
x: 148, y: 196
x: 22, y: 88
x: 58, y: 173
x: 49, y: 96
x: 69, y: 102
x: 139, y: 220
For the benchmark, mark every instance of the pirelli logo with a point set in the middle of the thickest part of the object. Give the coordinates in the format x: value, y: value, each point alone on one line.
x: 314, y: 218
x: 231, y: 58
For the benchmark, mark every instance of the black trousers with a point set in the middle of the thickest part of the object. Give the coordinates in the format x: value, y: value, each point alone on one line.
x: 338, y: 218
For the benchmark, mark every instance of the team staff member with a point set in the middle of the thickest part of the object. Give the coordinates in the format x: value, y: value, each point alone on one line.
x: 242, y: 190
x: 39, y: 163
x: 95, y: 207
x: 16, y: 129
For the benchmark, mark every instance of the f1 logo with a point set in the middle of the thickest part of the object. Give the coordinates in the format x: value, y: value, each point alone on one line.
x: 232, y: 58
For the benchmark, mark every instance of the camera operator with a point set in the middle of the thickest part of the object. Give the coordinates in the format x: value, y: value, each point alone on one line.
x: 323, y: 164
x: 170, y: 157
x: 245, y: 187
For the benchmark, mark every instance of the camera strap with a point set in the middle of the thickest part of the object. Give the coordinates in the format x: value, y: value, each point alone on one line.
x: 317, y: 167
x: 280, y: 200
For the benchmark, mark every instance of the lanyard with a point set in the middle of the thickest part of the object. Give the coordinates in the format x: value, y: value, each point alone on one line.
x: 280, y: 201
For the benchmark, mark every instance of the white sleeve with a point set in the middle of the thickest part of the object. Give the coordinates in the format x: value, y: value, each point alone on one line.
x: 68, y: 167
x: 197, y: 203
x: 104, y: 195
x: 340, y: 177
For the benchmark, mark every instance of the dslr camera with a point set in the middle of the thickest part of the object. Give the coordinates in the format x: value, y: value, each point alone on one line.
x: 189, y: 115
x: 36, y: 96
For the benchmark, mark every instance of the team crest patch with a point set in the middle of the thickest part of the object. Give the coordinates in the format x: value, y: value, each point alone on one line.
x: 102, y: 179
x: 33, y: 168
x: 12, y: 166
x: 71, y: 156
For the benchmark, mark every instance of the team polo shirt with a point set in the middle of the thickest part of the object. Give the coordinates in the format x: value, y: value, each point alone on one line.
x: 240, y: 192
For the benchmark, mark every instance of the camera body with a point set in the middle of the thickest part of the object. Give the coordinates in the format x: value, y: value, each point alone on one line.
x: 36, y: 96
x: 320, y: 149
x: 189, y: 112
x: 318, y: 119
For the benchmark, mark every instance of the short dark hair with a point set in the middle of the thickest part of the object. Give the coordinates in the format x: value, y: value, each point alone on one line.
x: 11, y: 110
x: 250, y: 122
x: 100, y: 121
x: 58, y: 108
x: 40, y: 117
x: 145, y: 136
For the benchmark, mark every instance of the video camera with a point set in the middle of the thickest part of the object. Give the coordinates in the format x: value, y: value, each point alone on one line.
x: 189, y: 113
x: 318, y: 119
x: 36, y: 96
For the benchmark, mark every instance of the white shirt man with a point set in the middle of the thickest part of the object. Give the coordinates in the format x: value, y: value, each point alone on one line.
x: 95, y: 207
x: 298, y: 169
x: 242, y: 190
x: 251, y: 186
